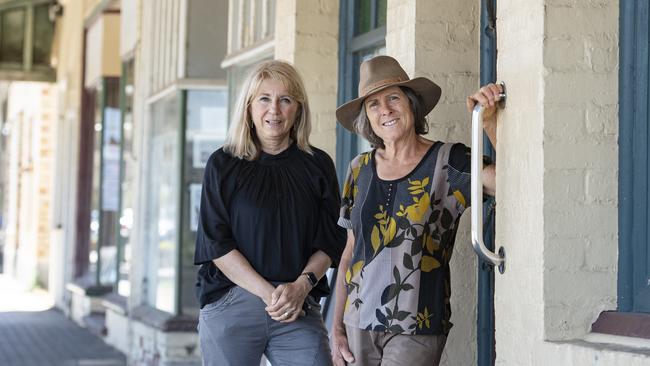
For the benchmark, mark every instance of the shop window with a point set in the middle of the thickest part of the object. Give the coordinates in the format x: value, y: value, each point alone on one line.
x: 105, y: 183
x: 128, y: 172
x: 251, y: 21
x: 236, y: 76
x: 26, y: 34
x: 251, y: 27
x: 206, y: 124
x: 362, y: 36
x: 187, y: 127
x: 161, y: 209
x: 43, y: 33
x: 13, y: 30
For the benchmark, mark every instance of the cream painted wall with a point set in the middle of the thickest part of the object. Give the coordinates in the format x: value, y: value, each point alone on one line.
x: 68, y: 88
x: 111, y: 61
x: 557, y: 183
x: 103, y: 49
x: 520, y: 177
x: 439, y: 40
x: 31, y: 113
x: 129, y: 27
x: 306, y: 34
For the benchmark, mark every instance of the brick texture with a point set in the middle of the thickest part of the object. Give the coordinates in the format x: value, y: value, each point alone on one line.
x: 306, y: 34
x: 442, y: 44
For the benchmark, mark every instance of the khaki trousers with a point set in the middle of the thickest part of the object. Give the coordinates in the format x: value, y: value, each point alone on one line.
x: 372, y: 348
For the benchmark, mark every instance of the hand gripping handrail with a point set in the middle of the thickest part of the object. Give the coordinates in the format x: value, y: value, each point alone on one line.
x: 494, y: 259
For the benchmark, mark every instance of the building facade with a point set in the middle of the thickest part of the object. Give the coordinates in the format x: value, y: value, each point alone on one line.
x: 144, y: 89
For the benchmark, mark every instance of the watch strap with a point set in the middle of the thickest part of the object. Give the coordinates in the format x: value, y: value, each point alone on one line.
x: 311, y: 277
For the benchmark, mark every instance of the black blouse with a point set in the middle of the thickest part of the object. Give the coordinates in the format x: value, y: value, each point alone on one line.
x: 277, y: 211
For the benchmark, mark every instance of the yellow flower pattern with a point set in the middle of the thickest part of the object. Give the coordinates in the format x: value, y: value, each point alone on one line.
x: 409, y: 234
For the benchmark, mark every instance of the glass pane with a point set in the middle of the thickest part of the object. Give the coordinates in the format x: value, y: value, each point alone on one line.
x: 207, y: 123
x: 363, y: 14
x: 247, y: 24
x: 43, y: 32
x: 270, y: 20
x: 128, y: 181
x: 162, y: 185
x: 259, y: 19
x: 110, y: 144
x: 93, y: 253
x: 381, y: 13
x: 235, y: 21
x: 236, y: 76
x: 12, y: 34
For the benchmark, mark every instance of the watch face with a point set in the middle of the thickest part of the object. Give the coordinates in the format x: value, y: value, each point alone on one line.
x: 312, y: 278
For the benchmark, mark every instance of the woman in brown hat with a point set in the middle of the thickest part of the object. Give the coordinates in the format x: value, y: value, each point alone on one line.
x: 401, y: 205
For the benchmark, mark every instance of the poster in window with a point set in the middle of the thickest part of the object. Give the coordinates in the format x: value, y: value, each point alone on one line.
x: 203, y: 145
x: 111, y: 143
x: 195, y: 203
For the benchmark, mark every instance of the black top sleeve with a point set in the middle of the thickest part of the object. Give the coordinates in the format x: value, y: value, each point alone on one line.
x: 460, y: 174
x: 330, y: 237
x: 214, y: 235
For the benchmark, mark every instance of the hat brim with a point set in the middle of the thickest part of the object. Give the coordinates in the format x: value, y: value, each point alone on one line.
x: 428, y: 90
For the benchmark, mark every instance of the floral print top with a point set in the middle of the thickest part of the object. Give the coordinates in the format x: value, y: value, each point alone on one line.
x: 398, y: 279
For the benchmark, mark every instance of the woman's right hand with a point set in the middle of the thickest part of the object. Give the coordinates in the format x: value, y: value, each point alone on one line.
x: 340, y: 348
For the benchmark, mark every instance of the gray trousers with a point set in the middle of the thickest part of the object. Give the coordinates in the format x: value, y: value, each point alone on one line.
x: 236, y: 331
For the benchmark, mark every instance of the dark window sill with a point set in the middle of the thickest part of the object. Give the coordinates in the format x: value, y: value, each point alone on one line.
x: 87, y: 288
x: 116, y: 303
x: 635, y: 325
x: 164, y: 321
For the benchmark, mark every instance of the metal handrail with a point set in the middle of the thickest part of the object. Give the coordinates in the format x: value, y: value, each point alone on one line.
x: 485, y: 254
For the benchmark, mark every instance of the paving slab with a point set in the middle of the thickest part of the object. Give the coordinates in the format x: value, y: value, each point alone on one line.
x: 34, y: 333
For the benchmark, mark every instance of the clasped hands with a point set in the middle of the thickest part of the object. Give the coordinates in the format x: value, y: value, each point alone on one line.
x: 284, y: 304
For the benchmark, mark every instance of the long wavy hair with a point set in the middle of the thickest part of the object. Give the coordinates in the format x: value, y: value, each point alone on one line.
x: 242, y: 141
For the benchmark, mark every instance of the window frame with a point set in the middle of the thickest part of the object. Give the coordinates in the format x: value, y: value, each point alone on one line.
x: 632, y: 319
x: 29, y: 67
x: 127, y: 75
x: 244, y: 30
x: 180, y: 91
x: 349, y: 45
x: 634, y: 104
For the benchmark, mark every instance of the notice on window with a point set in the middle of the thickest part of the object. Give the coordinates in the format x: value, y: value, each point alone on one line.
x: 203, y: 146
x: 195, y: 204
x: 111, y: 144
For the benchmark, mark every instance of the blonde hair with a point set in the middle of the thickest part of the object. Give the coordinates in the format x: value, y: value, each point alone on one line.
x: 241, y: 140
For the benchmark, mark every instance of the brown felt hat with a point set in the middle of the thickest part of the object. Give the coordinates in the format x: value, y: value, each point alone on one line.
x: 379, y: 73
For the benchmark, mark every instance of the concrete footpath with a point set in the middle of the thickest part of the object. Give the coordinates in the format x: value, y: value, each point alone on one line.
x: 33, y: 333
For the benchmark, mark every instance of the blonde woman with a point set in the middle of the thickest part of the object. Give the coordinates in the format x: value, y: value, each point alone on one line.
x: 267, y: 231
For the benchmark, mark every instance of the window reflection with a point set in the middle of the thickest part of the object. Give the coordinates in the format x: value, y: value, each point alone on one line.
x: 162, y: 186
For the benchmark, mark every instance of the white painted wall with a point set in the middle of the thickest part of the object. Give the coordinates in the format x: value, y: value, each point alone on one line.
x: 557, y: 183
x: 306, y: 34
x: 129, y: 26
x: 439, y: 40
x: 69, y: 75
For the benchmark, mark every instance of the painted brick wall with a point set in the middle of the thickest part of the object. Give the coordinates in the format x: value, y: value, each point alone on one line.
x: 306, y: 34
x: 31, y: 115
x: 439, y: 40
x: 520, y: 177
x: 581, y: 164
x: 557, y: 182
x: 69, y: 81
